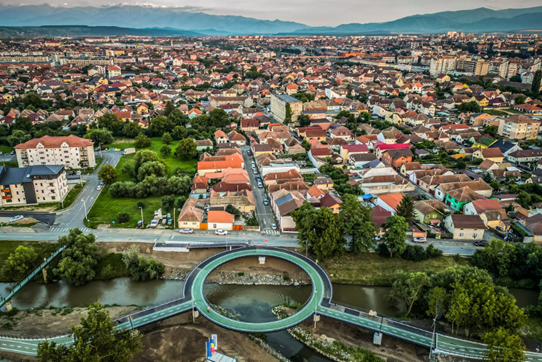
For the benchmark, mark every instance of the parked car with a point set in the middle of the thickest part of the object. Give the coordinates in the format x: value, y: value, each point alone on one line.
x: 273, y: 226
x: 420, y: 240
x: 186, y: 231
x: 154, y: 223
x: 1, y: 153
x: 266, y: 202
x: 164, y: 221
x: 221, y: 232
x: 378, y: 238
x: 249, y: 153
x: 260, y: 185
x: 481, y: 243
x: 255, y: 171
x: 12, y: 153
x: 16, y: 218
x: 168, y: 215
x: 170, y: 222
x: 99, y: 187
x: 140, y: 224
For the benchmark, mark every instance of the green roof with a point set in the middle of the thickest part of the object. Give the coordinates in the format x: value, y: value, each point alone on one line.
x: 486, y: 141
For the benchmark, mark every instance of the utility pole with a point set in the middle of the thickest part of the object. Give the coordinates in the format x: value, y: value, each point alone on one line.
x: 142, y: 222
x: 174, y: 218
x: 433, y: 337
x: 85, y: 206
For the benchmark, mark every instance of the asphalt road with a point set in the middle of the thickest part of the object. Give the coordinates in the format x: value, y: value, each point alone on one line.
x: 265, y: 214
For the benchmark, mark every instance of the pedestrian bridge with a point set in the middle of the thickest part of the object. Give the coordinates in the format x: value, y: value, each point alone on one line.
x: 319, y: 303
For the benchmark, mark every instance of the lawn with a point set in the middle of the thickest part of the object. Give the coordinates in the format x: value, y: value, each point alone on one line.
x: 9, y: 246
x: 372, y: 269
x: 106, y: 210
x: 5, y: 149
x: 496, y: 112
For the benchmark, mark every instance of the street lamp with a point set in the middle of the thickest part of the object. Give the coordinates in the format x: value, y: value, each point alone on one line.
x: 142, y: 223
x: 85, y: 206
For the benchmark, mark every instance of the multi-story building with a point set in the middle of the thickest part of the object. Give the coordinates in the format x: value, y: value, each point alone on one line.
x: 442, y: 65
x: 519, y: 127
x: 476, y: 67
x: 278, y: 107
x: 32, y: 184
x: 70, y: 151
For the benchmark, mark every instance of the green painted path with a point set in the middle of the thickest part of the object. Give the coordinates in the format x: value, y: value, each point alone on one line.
x: 320, y: 302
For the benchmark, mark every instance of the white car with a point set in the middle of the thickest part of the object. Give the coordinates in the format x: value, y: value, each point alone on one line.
x: 273, y: 226
x: 99, y: 187
x: 420, y: 240
x: 16, y: 218
x: 186, y: 231
x: 221, y: 232
x: 154, y: 223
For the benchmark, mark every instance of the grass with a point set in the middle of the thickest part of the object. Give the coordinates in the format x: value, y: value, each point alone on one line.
x: 372, y: 269
x: 13, y: 164
x: 496, y: 112
x: 532, y: 328
x: 111, y: 266
x: 106, y: 209
x: 71, y: 196
x: 8, y: 246
x: 5, y: 149
x: 27, y: 225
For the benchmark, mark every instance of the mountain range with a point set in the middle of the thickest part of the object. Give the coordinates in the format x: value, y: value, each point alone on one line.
x: 173, y: 21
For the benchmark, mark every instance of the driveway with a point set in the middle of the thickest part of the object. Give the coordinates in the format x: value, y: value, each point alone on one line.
x: 265, y: 215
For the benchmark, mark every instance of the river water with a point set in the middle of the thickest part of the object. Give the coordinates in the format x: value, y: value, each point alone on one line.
x: 249, y: 303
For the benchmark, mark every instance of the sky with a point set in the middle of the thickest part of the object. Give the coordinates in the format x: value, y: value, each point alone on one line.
x: 310, y: 12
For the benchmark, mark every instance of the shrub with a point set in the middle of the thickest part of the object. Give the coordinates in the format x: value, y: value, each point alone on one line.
x: 123, y: 217
x: 167, y: 202
x: 140, y: 204
x: 414, y: 253
x: 382, y: 250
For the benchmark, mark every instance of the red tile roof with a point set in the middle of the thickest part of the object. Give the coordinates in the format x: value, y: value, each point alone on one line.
x: 55, y: 142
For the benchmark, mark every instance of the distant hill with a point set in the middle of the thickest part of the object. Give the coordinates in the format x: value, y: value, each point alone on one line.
x: 162, y: 21
x: 83, y: 30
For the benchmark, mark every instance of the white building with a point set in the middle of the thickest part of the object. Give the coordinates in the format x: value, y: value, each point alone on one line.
x: 70, y: 151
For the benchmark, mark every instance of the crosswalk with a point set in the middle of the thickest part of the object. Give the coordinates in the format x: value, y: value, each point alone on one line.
x: 67, y: 230
x: 271, y: 232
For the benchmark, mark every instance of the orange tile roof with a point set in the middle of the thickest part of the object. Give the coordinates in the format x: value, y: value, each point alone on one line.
x: 55, y: 142
x: 392, y: 199
x: 220, y: 217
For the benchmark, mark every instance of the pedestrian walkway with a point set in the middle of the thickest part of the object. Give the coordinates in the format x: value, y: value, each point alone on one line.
x: 271, y: 232
x: 67, y: 230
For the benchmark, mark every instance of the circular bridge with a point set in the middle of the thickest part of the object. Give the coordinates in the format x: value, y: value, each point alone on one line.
x: 320, y: 296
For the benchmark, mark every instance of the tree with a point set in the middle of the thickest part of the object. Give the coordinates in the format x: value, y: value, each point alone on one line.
x: 503, y: 346
x: 165, y: 151
x: 95, y: 340
x: 218, y: 118
x: 491, y: 130
x: 144, y: 156
x: 537, y: 80
x: 179, y: 132
x: 496, y: 257
x: 358, y: 223
x: 169, y: 108
x: 187, y: 149
x: 22, y: 124
x: 19, y: 263
x: 471, y: 106
x: 515, y: 78
x: 166, y: 138
x: 519, y: 99
x: 304, y: 120
x: 107, y: 174
x: 154, y: 168
x: 142, y: 141
x: 18, y: 137
x: 160, y: 124
x: 408, y: 288
x: 406, y: 209
x: 111, y: 122
x: 79, y: 258
x: 132, y: 129
x: 306, y: 145
x: 288, y: 117
x: 167, y: 202
x: 179, y: 203
x: 177, y: 117
x: 395, y: 235
x: 140, y: 267
x: 100, y: 136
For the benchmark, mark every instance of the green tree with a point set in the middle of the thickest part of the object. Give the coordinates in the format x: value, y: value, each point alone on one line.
x: 408, y: 288
x: 177, y: 117
x: 22, y: 124
x: 471, y: 106
x: 166, y: 138
x: 123, y: 217
x: 144, y: 156
x: 288, y: 117
x: 140, y: 267
x: 218, y: 118
x: 111, y: 122
x: 167, y: 202
x: 142, y: 141
x: 79, y: 258
x: 503, y: 346
x: 179, y: 132
x: 537, y: 80
x: 107, y: 174
x: 154, y: 168
x: 306, y: 145
x: 19, y: 263
x: 491, y: 130
x: 160, y: 124
x: 165, y: 151
x: 132, y: 129
x: 17, y: 137
x: 395, y: 234
x: 169, y: 108
x: 96, y: 339
x: 358, y: 223
x: 496, y: 257
x: 304, y: 120
x: 179, y: 203
x: 520, y: 99
x: 187, y: 149
x: 406, y: 209
x: 100, y: 136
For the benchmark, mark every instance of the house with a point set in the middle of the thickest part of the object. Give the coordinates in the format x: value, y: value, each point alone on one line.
x: 237, y: 138
x: 204, y: 145
x: 490, y: 211
x: 347, y: 150
x: 493, y: 154
x: 324, y: 183
x: 242, y: 200
x: 465, y: 227
x: 190, y: 215
x: 523, y: 156
x: 211, y: 164
x: 222, y: 220
x: 199, y: 184
x: 389, y: 202
x: 221, y: 137
x: 250, y: 125
x: 361, y: 159
x: 331, y: 201
x: 429, y: 211
x: 396, y: 158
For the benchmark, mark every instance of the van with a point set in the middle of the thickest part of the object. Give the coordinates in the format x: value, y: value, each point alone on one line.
x: 128, y: 151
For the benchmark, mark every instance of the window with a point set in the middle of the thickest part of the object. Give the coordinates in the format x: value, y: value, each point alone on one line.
x: 214, y: 226
x: 474, y: 235
x: 461, y: 234
x: 427, y: 216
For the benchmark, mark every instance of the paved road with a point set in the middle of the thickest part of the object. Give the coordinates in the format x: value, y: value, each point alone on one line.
x: 319, y: 303
x: 266, y: 218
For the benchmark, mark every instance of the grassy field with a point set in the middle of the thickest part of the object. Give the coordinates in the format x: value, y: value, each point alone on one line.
x: 372, y: 269
x: 5, y: 149
x: 496, y: 112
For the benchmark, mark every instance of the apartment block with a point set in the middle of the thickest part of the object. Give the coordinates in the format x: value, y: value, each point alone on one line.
x: 70, y: 151
x: 519, y: 127
x: 32, y: 184
x: 278, y: 107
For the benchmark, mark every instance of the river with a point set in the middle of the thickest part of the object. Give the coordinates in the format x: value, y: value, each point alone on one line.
x: 247, y: 302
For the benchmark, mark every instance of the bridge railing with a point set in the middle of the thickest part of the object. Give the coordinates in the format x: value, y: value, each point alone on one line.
x: 29, y: 277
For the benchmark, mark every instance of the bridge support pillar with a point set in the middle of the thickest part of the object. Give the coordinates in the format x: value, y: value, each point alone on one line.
x: 44, y: 271
x: 8, y: 306
x: 377, y: 338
